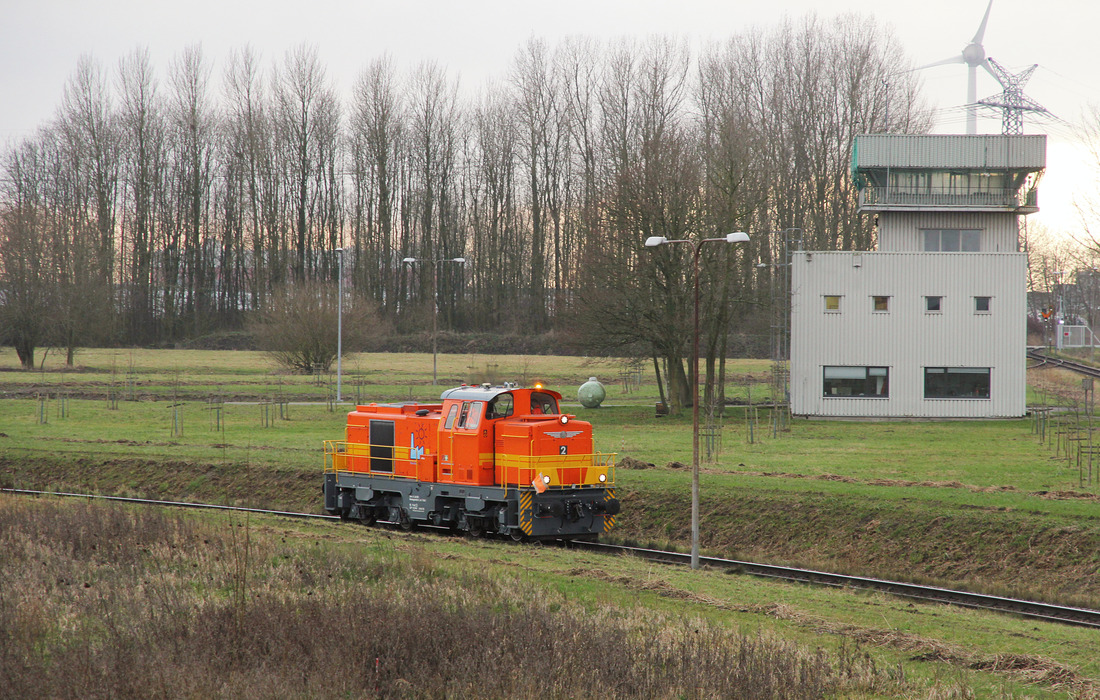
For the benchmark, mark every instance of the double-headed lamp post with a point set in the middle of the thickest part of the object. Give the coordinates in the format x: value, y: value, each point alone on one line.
x: 652, y: 242
x: 435, y: 299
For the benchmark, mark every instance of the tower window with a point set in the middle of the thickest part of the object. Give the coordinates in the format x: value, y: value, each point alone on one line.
x: 982, y: 304
x: 832, y: 302
x: 933, y: 304
x: 880, y: 303
x: 952, y: 240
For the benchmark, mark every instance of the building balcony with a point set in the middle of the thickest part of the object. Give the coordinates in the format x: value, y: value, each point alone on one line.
x: 895, y: 198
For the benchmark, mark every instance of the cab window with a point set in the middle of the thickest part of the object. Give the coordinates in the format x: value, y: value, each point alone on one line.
x: 543, y: 403
x: 500, y: 407
x: 472, y: 419
x: 451, y: 417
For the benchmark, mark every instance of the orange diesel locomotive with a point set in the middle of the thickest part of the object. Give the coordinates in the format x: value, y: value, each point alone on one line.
x: 488, y: 459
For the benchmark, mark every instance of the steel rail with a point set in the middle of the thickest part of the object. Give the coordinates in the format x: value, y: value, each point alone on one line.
x: 176, y: 504
x: 1078, y: 367
x: 1082, y: 617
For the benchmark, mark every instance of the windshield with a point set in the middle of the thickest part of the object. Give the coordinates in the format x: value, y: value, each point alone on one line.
x: 543, y: 403
x: 500, y: 407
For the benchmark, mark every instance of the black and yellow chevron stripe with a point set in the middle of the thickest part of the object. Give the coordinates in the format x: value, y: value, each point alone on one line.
x: 609, y: 520
x: 525, y: 499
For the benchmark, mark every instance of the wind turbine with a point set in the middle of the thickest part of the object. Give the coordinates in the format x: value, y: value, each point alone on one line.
x: 973, y: 56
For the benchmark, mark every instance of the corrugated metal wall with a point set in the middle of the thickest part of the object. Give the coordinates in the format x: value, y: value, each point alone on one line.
x: 943, y: 152
x: 906, y: 338
x: 901, y: 231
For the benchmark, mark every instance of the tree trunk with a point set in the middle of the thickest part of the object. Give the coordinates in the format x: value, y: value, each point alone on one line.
x: 24, y: 350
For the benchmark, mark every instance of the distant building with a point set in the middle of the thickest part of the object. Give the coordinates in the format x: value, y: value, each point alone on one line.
x: 933, y: 323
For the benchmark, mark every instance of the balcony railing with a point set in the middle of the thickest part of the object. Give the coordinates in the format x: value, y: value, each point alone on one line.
x: 947, y: 198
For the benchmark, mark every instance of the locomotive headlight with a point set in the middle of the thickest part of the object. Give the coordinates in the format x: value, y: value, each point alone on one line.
x: 545, y: 479
x: 564, y: 419
x: 603, y: 478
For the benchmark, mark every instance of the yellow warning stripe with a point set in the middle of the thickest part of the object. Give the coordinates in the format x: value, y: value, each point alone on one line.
x: 525, y: 511
x: 609, y: 520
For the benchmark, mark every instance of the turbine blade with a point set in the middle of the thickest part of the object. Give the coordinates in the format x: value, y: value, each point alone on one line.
x: 954, y: 59
x: 981, y: 30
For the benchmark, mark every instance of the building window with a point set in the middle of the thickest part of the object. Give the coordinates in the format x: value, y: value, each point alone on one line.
x: 832, y: 302
x: 956, y: 382
x: 981, y: 304
x: 933, y: 304
x: 952, y: 240
x: 880, y: 303
x: 911, y: 181
x: 857, y: 382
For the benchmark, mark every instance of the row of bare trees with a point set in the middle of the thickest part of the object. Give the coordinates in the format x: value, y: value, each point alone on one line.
x: 148, y: 211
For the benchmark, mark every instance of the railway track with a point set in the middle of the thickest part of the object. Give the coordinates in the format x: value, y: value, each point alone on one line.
x: 1047, y: 361
x: 1043, y: 611
x: 1080, y: 617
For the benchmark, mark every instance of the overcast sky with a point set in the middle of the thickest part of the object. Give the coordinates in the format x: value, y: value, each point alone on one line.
x: 41, y: 40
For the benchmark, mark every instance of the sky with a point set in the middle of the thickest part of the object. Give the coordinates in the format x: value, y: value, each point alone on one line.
x: 41, y: 41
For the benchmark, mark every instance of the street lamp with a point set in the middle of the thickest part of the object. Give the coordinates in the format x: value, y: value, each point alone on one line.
x: 339, y: 319
x: 653, y: 242
x: 435, y: 300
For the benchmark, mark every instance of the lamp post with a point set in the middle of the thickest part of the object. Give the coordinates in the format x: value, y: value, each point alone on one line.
x: 652, y: 242
x: 339, y: 320
x: 435, y: 299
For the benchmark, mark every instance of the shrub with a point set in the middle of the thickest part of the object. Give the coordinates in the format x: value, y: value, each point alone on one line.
x: 299, y: 329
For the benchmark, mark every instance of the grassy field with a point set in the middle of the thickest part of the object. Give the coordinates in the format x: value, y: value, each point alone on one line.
x: 982, y: 504
x: 125, y: 602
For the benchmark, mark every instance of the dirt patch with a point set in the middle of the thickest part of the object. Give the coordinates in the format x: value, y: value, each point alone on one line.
x: 631, y: 463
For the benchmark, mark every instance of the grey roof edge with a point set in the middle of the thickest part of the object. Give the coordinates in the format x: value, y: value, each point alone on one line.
x: 1025, y: 152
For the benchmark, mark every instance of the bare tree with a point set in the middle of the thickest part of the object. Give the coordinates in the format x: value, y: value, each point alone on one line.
x: 498, y: 246
x: 305, y: 117
x: 82, y: 188
x: 87, y: 125
x: 190, y: 255
x: 543, y: 141
x: 376, y: 143
x: 299, y: 329
x: 249, y: 152
x: 24, y: 264
x: 430, y: 227
x: 142, y: 142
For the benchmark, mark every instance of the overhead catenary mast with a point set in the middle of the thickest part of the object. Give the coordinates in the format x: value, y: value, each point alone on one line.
x: 1012, y: 101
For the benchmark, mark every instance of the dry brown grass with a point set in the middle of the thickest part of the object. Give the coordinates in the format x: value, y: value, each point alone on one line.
x: 107, y: 601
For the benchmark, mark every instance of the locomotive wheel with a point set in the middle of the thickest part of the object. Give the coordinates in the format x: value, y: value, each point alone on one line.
x: 405, y: 523
x: 517, y: 535
x: 474, y: 527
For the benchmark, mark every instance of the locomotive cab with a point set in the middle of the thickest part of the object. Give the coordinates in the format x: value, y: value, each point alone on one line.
x: 502, y: 459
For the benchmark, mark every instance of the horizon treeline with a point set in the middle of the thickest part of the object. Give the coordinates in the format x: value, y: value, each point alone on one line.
x: 154, y: 209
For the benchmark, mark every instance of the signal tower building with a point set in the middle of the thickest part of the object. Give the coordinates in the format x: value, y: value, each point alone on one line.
x: 932, y: 324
